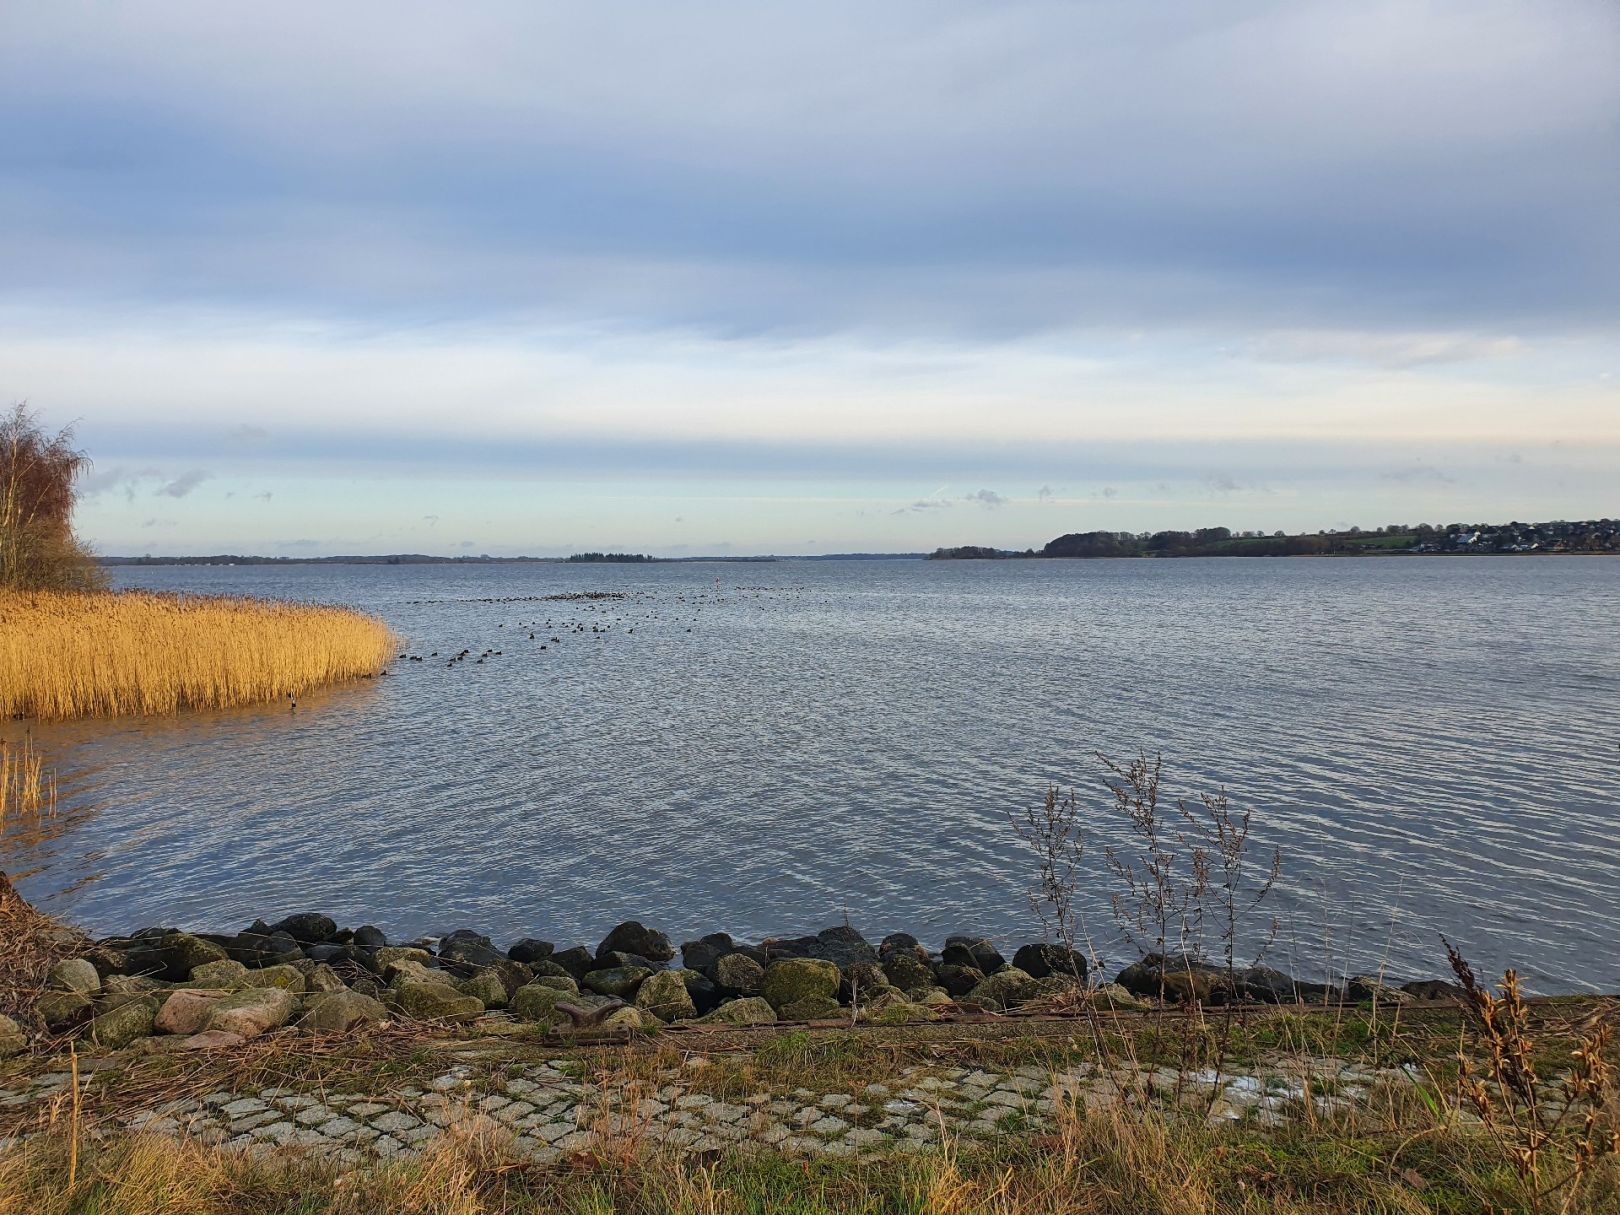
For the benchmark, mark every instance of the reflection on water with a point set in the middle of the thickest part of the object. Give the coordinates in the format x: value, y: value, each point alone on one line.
x: 1432, y: 743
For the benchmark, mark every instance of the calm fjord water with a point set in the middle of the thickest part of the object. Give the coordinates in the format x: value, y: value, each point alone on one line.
x: 1431, y: 743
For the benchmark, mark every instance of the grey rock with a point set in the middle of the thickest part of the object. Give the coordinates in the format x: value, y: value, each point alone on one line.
x: 634, y: 937
x: 78, y: 975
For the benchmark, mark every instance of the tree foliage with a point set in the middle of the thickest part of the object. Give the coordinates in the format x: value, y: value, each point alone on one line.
x: 39, y: 475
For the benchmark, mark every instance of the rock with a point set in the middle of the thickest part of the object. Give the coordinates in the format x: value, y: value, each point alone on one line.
x: 976, y: 952
x: 487, y: 986
x: 934, y: 997
x: 907, y: 971
x: 529, y: 950
x: 12, y: 1039
x: 545, y: 967
x: 560, y: 983
x: 902, y: 944
x: 340, y: 1011
x: 900, y: 1012
x: 1039, y: 961
x: 703, y: 953
x: 1005, y: 989
x: 465, y: 945
x: 634, y: 937
x: 253, y: 1011
x: 323, y: 979
x: 842, y: 946
x: 959, y: 980
x: 628, y: 1018
x: 435, y: 1002
x: 307, y: 927
x: 792, y: 980
x: 62, y: 1009
x: 1182, y: 979
x: 705, y: 995
x: 620, y: 981
x: 186, y: 1012
x: 1434, y: 989
x: 538, y: 1002
x: 209, y: 1039
x: 664, y: 996
x: 1370, y: 989
x: 388, y: 955
x: 285, y: 976
x: 738, y: 974
x: 812, y: 1008
x: 369, y: 936
x: 575, y: 961
x: 749, y: 1010
x: 263, y: 948
x: 174, y: 955
x: 860, y: 981
x: 1268, y: 986
x: 408, y: 970
x: 77, y: 975
x: 118, y: 1027
x: 1112, y: 995
x: 225, y: 973
x: 613, y: 959
x: 123, y: 985
x: 1056, y: 985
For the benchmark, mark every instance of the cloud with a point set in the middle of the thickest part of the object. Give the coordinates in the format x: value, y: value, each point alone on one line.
x: 987, y: 498
x: 247, y: 434
x: 183, y: 484
x: 1221, y: 483
x: 1418, y: 474
x: 431, y: 520
x: 1109, y: 492
x: 1045, y: 493
x: 263, y: 497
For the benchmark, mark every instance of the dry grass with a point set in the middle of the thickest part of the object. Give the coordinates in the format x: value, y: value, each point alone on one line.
x: 30, y: 944
x: 26, y: 785
x: 68, y: 655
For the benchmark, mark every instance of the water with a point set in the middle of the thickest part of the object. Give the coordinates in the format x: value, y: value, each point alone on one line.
x: 1431, y: 743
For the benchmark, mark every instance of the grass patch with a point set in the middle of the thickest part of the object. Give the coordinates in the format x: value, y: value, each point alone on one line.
x: 66, y: 655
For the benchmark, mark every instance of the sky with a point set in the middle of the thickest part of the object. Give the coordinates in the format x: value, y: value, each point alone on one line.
x: 754, y: 277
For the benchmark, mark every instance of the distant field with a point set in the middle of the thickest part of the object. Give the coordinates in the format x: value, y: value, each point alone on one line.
x: 68, y: 655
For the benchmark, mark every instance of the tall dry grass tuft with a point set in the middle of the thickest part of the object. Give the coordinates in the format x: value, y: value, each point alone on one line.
x: 27, y: 787
x: 68, y: 655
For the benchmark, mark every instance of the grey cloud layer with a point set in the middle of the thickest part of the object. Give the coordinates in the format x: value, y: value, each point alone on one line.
x: 954, y: 168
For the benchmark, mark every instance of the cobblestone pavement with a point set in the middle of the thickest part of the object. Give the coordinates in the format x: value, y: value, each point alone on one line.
x: 548, y: 1112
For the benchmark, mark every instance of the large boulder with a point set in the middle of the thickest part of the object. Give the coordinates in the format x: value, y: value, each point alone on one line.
x: 664, y: 995
x: 793, y: 980
x: 286, y: 976
x: 468, y: 947
x: 340, y: 1011
x: 186, y: 1011
x: 227, y: 972
x: 812, y: 1008
x: 369, y: 936
x: 253, y: 1011
x: 538, y: 1002
x: 487, y: 986
x: 62, y: 1009
x: 173, y: 955
x: 703, y: 953
x: 323, y: 979
x: 530, y: 950
x: 307, y: 927
x: 619, y: 981
x: 12, y: 1039
x: 905, y: 970
x: 1040, y: 960
x: 750, y: 1010
x: 435, y: 1002
x: 901, y: 943
x: 408, y: 970
x: 738, y: 974
x: 575, y: 961
x: 1181, y: 979
x: 958, y: 980
x: 122, y: 1023
x: 1006, y: 988
x: 77, y: 975
x: 634, y: 937
x: 1433, y: 989
x: 860, y: 981
x: 842, y: 946
x: 976, y: 952
x: 263, y: 948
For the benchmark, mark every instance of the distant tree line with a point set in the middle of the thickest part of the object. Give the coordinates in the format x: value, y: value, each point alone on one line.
x: 612, y: 558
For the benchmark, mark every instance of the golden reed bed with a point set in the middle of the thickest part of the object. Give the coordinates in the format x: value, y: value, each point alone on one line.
x: 106, y: 655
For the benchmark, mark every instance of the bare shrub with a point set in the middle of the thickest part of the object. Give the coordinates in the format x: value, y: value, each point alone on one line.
x: 39, y: 475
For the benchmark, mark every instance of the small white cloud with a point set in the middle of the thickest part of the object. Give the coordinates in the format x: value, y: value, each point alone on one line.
x: 987, y: 498
x: 184, y: 484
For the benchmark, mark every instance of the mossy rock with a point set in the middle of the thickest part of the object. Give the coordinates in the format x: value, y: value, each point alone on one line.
x: 390, y: 954
x: 340, y: 1011
x: 254, y: 1011
x: 224, y: 973
x: 749, y: 1010
x: 61, y: 1009
x: 182, y: 953
x: 1112, y: 995
x: 619, y: 981
x: 435, y: 1002
x: 538, y: 1001
x: 740, y: 974
x: 901, y: 1012
x: 545, y: 968
x: 562, y: 983
x: 76, y: 975
x: 629, y: 1017
x: 795, y: 980
x: 121, y: 1025
x: 664, y: 996
x: 409, y: 970
x: 908, y: 972
x: 1008, y: 987
x: 12, y: 1039
x: 934, y: 997
x: 323, y: 979
x: 487, y: 986
x: 812, y: 1008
